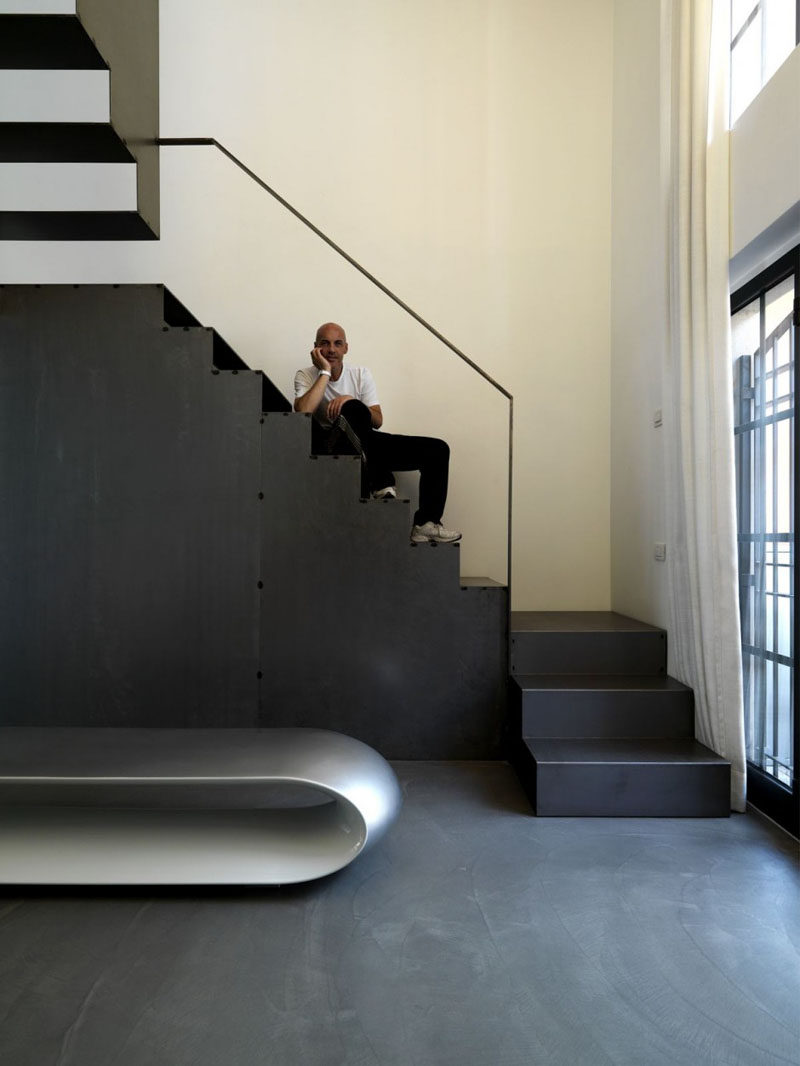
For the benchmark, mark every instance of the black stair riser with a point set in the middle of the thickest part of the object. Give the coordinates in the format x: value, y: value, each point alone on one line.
x: 669, y: 715
x: 140, y: 305
x: 175, y: 313
x: 641, y: 790
x: 272, y: 399
x: 637, y: 653
x: 521, y: 758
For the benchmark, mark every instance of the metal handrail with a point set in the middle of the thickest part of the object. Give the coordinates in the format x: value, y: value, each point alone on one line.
x: 212, y: 142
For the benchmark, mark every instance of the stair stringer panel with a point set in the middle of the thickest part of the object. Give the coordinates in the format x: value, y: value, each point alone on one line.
x: 361, y: 632
x: 128, y: 516
x: 144, y: 498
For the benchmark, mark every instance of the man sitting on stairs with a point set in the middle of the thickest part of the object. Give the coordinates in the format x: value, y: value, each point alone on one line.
x: 347, y: 418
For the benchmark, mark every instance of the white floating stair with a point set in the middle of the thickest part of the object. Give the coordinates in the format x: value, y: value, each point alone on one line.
x: 65, y: 173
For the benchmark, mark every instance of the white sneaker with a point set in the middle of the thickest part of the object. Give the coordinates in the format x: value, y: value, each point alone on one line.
x: 389, y: 493
x: 433, y: 533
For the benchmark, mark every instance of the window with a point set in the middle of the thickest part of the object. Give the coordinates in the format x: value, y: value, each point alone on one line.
x: 763, y: 33
x: 765, y: 331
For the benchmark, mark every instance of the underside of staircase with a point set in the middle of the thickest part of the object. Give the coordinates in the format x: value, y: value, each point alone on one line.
x: 78, y: 152
x: 597, y: 728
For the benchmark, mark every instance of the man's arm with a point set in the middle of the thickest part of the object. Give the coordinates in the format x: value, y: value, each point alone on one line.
x: 338, y: 402
x: 369, y: 395
x: 310, y: 401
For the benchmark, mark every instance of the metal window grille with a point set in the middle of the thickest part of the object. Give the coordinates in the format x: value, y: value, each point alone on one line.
x: 764, y: 399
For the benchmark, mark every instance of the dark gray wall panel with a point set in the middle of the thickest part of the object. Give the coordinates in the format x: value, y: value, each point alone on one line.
x: 128, y: 516
x: 370, y: 636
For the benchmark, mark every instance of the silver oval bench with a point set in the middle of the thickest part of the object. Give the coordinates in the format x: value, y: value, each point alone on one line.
x: 187, y: 806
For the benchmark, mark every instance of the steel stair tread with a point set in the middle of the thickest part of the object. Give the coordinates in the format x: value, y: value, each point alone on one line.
x: 621, y: 751
x: 598, y: 683
x: 582, y: 622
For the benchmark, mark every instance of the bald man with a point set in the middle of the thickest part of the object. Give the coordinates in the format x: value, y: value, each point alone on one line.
x: 347, y: 417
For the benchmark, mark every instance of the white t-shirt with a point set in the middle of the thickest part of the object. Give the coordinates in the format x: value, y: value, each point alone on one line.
x: 354, y: 381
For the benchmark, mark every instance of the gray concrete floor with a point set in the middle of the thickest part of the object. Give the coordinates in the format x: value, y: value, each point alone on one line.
x: 472, y: 934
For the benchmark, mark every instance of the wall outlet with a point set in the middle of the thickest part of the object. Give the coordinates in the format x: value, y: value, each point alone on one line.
x: 659, y: 551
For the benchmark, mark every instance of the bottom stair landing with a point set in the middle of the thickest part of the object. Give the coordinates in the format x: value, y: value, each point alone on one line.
x: 597, y: 728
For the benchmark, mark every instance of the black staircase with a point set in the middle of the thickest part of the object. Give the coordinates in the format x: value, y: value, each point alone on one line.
x: 171, y: 554
x: 597, y: 726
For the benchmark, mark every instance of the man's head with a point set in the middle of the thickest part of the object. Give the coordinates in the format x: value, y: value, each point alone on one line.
x: 332, y: 342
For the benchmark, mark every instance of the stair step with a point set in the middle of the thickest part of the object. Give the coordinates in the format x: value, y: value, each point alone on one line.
x: 65, y: 167
x: 46, y: 42
x: 61, y: 142
x: 141, y: 305
x: 225, y: 357
x: 625, y: 778
x: 55, y: 96
x: 597, y: 705
x: 176, y: 313
x: 585, y: 642
x: 74, y: 226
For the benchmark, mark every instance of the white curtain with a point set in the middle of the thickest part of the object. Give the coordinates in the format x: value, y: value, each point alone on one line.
x: 704, y: 639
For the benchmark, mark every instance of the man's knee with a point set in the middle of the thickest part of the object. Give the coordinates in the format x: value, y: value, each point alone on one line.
x: 439, y: 450
x: 357, y: 414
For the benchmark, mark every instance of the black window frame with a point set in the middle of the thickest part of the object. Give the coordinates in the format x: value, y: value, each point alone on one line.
x: 764, y: 792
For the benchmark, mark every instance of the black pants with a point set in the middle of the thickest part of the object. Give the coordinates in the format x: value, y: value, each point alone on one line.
x: 386, y: 452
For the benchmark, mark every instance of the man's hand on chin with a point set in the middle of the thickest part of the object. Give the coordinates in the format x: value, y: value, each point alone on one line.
x: 319, y: 360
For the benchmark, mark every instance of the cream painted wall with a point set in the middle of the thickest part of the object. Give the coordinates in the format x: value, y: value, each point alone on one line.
x: 639, y: 314
x: 461, y: 150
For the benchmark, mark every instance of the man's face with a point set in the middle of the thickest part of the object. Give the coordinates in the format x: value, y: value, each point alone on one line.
x: 332, y: 342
